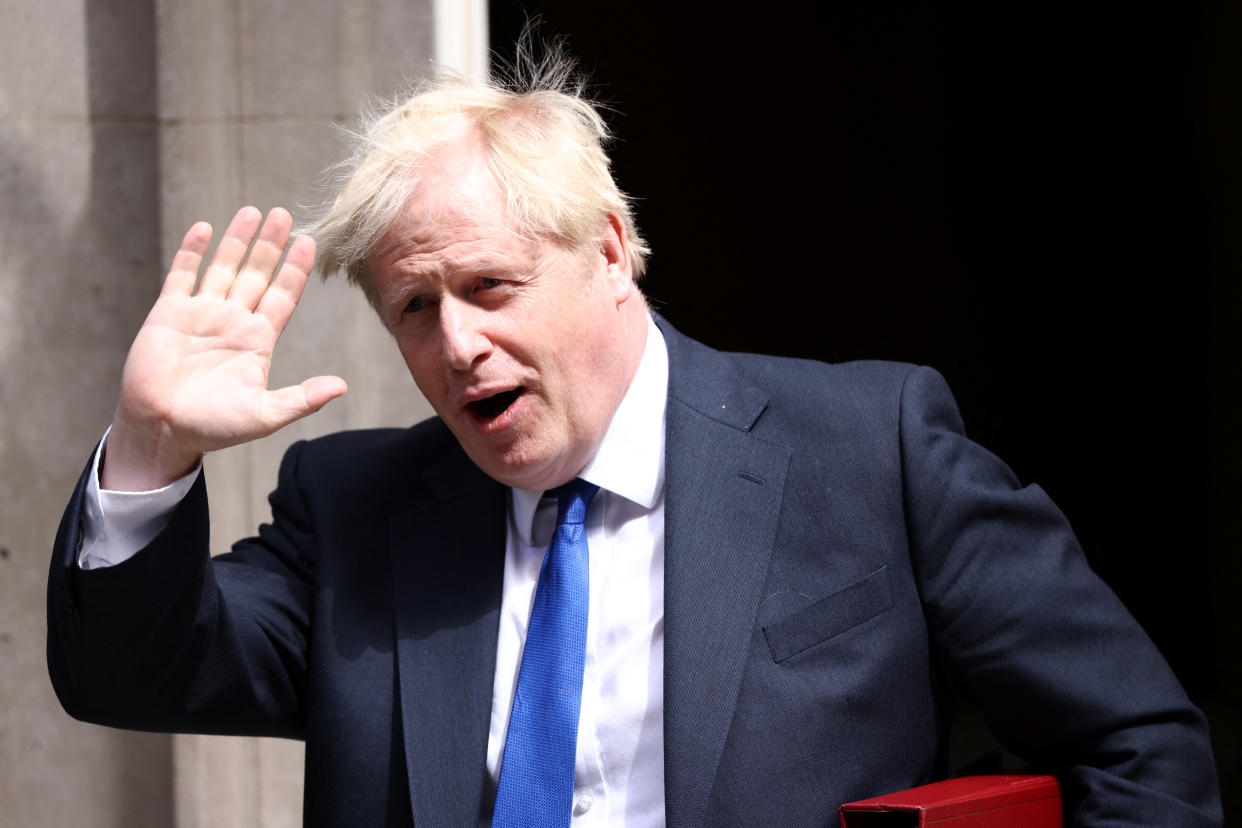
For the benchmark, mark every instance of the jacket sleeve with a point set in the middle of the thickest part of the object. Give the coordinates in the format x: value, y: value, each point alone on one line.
x: 173, y: 640
x: 1064, y: 675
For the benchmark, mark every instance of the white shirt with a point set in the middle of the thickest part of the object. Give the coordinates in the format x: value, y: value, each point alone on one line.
x: 619, y: 772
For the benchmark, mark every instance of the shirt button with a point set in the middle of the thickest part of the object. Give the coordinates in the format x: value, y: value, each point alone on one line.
x: 583, y: 803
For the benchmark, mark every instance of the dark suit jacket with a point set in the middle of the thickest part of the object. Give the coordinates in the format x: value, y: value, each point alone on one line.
x: 837, y: 555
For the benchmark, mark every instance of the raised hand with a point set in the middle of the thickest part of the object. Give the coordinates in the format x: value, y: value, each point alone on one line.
x: 196, y: 376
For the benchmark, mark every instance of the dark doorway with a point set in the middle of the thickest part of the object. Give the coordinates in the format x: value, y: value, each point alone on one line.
x: 1041, y: 202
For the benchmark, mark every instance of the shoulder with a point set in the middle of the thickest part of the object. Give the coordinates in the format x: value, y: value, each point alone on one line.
x: 430, y: 437
x: 861, y: 400
x: 860, y: 382
x: 698, y: 372
x: 802, y: 400
x: 369, y: 461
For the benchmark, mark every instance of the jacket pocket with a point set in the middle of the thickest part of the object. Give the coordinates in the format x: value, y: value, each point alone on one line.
x: 832, y: 615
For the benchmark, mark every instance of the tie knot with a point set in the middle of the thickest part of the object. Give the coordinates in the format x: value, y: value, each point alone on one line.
x: 572, y: 501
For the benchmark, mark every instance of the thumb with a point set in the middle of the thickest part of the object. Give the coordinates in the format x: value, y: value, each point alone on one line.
x: 293, y: 402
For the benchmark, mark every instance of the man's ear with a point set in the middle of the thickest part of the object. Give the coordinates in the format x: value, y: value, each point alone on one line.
x: 615, y: 250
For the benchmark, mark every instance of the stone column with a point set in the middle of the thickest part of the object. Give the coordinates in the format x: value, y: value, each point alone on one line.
x: 252, y: 101
x: 121, y: 124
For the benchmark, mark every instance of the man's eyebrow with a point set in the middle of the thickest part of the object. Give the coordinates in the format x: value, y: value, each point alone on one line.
x: 483, y: 262
x: 394, y: 294
x: 417, y: 265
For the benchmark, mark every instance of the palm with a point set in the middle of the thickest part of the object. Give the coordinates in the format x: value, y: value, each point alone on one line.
x: 196, y: 376
x: 202, y: 363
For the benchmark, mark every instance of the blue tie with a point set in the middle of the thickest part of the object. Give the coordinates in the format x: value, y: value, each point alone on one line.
x: 536, y: 785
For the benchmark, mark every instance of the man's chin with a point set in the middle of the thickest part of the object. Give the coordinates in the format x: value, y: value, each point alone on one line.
x: 536, y: 474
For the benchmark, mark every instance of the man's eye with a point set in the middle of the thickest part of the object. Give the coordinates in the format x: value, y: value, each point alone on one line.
x: 416, y: 304
x: 487, y: 283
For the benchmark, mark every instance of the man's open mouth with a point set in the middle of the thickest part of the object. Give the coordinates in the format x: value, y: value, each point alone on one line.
x: 492, y: 407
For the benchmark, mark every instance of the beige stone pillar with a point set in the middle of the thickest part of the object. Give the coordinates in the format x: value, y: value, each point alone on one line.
x: 252, y: 100
x: 120, y: 124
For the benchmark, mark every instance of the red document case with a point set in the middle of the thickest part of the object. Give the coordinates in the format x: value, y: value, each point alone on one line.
x: 1013, y: 801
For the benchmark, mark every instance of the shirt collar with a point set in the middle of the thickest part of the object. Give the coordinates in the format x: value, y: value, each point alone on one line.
x: 630, y: 459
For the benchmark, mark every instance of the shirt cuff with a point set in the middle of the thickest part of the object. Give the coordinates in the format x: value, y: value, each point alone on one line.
x: 116, y: 525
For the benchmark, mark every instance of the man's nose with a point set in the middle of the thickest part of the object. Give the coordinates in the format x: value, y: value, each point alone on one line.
x: 462, y: 334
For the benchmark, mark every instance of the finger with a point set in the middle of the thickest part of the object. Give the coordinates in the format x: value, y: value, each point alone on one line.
x: 285, y: 405
x: 319, y: 391
x: 230, y: 252
x: 184, y: 271
x: 285, y: 291
x: 253, y: 279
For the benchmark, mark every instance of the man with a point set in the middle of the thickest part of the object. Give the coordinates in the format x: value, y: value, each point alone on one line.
x: 790, y: 563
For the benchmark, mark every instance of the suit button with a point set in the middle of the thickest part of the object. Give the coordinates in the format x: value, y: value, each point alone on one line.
x: 583, y: 802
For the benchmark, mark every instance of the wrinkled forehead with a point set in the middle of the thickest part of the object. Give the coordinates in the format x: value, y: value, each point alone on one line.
x: 453, y: 192
x: 455, y: 180
x: 454, y: 215
x: 456, y: 194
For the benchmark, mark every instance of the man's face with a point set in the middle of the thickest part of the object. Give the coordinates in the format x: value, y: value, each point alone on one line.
x: 524, y: 348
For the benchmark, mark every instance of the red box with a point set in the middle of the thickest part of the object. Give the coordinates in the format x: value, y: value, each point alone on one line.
x: 1013, y: 801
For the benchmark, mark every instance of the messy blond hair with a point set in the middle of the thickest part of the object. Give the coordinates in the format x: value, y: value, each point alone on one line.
x: 542, y: 139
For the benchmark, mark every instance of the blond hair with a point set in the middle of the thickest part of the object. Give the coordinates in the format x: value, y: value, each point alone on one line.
x: 542, y: 139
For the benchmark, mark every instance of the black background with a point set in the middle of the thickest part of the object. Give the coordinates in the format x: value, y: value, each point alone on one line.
x: 1042, y: 202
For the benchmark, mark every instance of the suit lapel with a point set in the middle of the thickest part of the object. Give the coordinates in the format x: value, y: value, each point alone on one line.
x: 723, y: 490
x: 448, y: 553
